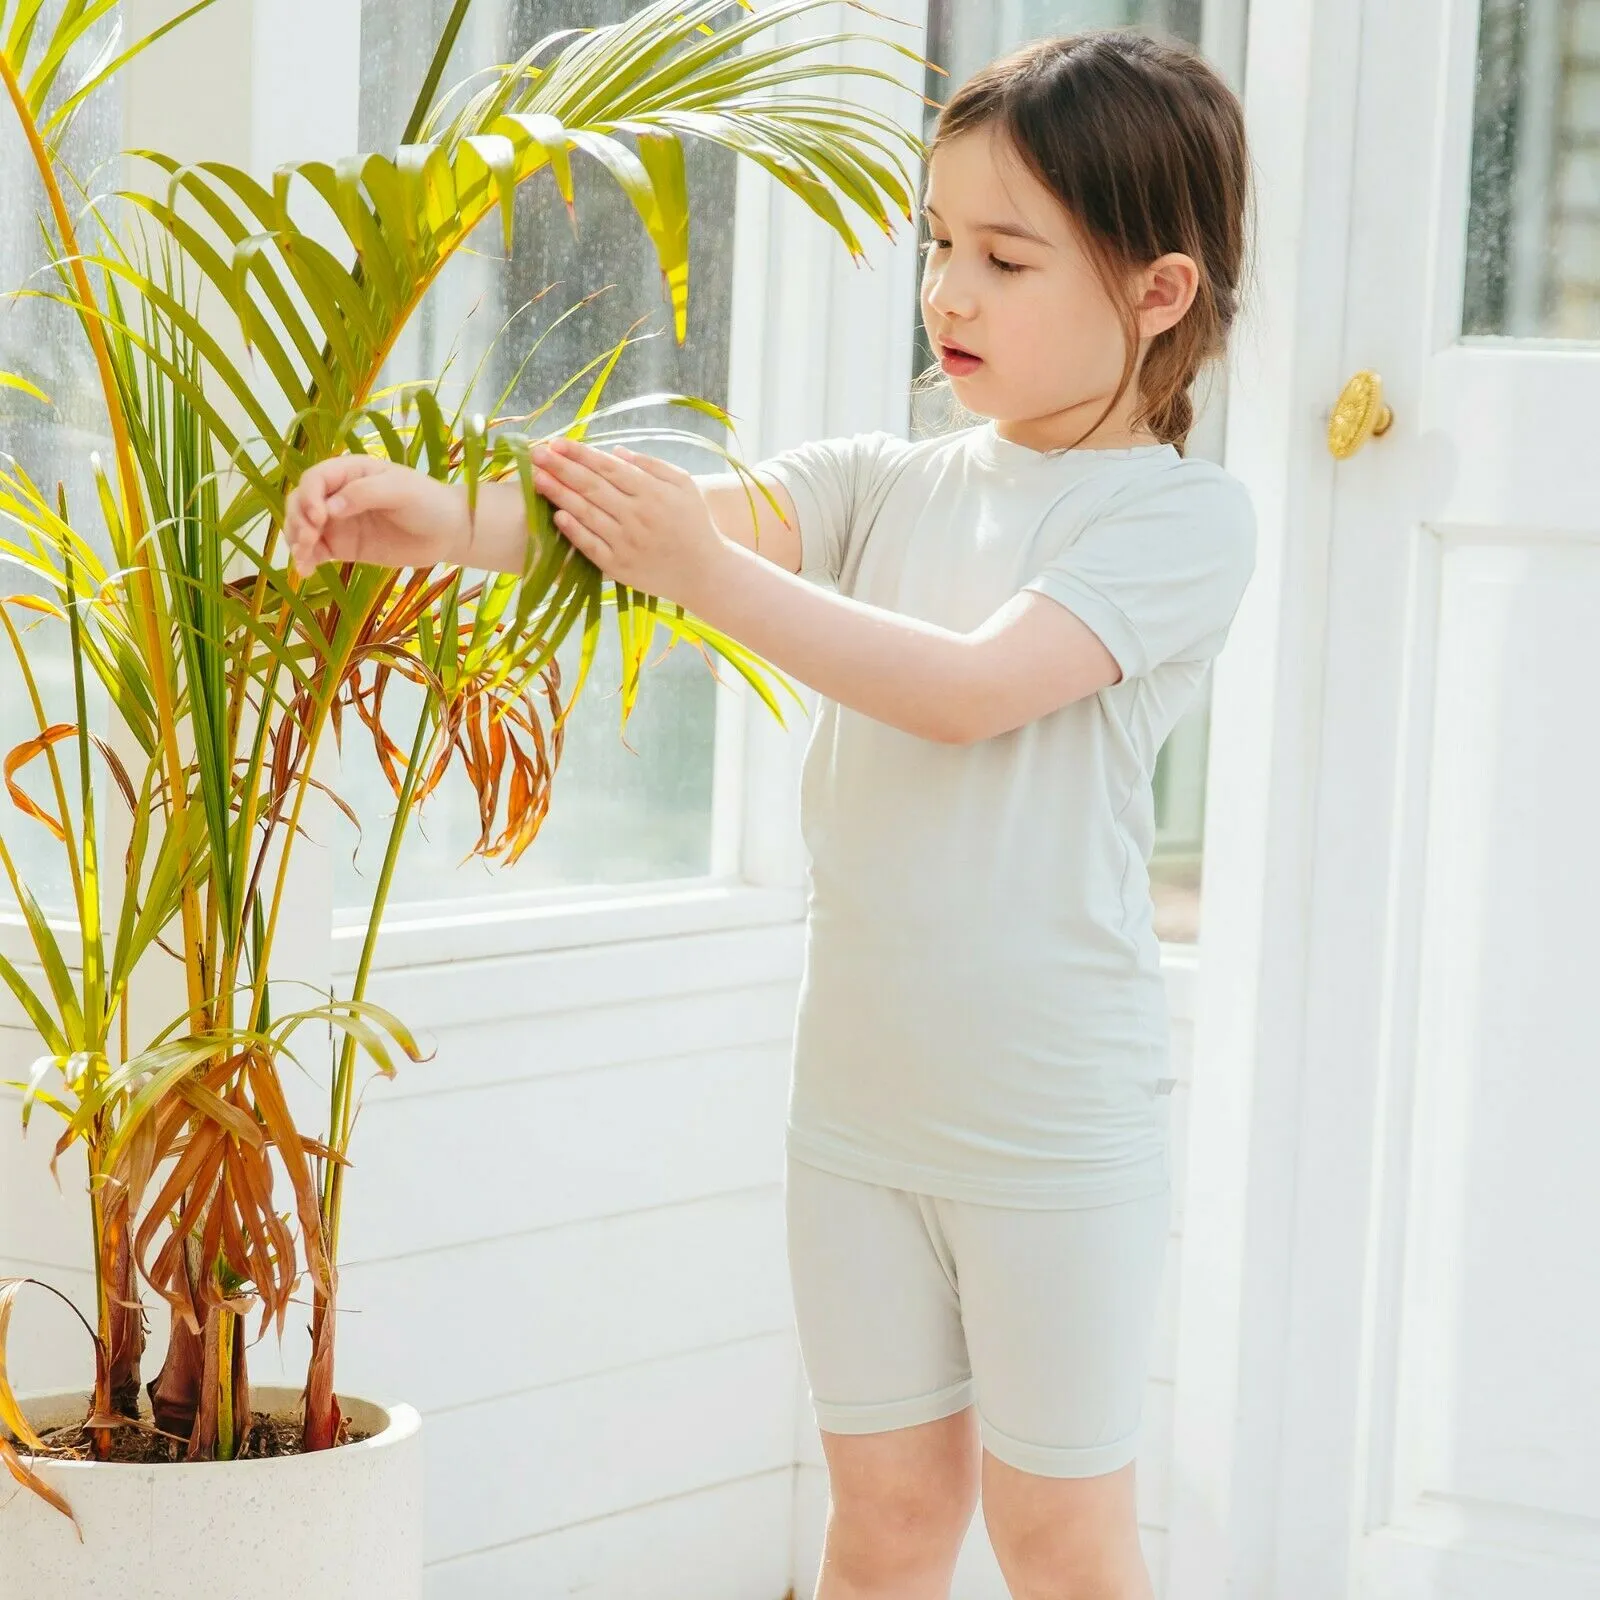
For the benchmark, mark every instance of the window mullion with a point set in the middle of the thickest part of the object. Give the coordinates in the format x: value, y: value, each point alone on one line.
x: 821, y: 347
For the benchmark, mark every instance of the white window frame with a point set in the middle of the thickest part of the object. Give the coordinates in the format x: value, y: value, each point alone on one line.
x: 257, y: 98
x: 791, y: 277
x: 821, y: 347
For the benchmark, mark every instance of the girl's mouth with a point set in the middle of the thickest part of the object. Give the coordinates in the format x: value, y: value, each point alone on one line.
x: 958, y: 363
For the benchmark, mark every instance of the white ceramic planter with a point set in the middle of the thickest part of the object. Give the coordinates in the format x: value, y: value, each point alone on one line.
x: 342, y: 1524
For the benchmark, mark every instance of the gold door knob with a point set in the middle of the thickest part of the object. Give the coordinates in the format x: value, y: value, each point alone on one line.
x: 1359, y: 414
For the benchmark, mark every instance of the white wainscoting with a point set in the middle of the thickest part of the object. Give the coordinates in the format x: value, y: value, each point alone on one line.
x: 564, y: 1243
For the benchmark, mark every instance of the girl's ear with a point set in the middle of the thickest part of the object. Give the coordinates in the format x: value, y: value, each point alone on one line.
x: 1163, y: 293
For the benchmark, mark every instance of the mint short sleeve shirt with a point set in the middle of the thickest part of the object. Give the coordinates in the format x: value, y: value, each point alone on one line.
x: 983, y: 1014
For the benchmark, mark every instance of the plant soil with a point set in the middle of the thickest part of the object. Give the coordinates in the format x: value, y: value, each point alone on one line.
x: 138, y: 1443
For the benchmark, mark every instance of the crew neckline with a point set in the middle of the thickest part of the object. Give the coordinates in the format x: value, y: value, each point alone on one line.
x: 999, y: 449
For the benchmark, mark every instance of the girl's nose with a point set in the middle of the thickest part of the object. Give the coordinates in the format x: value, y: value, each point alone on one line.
x: 949, y: 295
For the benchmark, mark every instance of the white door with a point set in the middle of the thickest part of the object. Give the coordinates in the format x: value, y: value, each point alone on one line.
x: 1402, y: 1363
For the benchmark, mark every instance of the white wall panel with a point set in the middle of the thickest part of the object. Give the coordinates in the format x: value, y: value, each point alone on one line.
x: 437, y: 995
x: 500, y: 1050
x: 459, y: 1165
x: 715, y: 1544
x: 40, y: 1223
x: 527, y: 1464
x: 452, y: 1327
x: 47, y: 1346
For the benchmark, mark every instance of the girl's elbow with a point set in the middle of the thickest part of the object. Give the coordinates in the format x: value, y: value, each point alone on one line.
x: 972, y: 706
x: 937, y: 725
x: 965, y: 708
x: 963, y: 724
x: 972, y: 721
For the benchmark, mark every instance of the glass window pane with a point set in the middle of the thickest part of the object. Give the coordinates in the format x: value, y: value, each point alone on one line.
x: 45, y: 344
x: 620, y: 812
x: 964, y: 35
x: 1533, y: 223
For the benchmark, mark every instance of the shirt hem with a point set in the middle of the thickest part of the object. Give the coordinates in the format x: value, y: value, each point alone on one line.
x: 814, y: 562
x: 1137, y: 1181
x: 1102, y: 616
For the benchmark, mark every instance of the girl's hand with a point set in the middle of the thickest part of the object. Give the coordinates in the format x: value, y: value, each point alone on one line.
x: 643, y: 522
x: 361, y: 508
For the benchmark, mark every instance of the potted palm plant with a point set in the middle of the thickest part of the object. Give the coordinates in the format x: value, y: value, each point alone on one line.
x: 233, y: 346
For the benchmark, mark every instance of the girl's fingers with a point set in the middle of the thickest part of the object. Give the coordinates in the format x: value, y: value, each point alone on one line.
x: 306, y: 512
x: 309, y: 494
x: 308, y: 555
x: 574, y: 502
x: 297, y: 524
x: 324, y: 480
x: 297, y: 531
x: 615, y: 465
x: 584, y: 539
x: 373, y: 490
x: 597, y: 490
x: 662, y: 471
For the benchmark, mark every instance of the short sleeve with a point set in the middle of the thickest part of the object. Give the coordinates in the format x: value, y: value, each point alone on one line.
x: 830, y: 482
x: 1159, y: 574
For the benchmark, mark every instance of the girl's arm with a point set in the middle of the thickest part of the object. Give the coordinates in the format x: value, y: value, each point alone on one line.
x: 769, y: 534
x: 362, y: 508
x: 1030, y: 658
x: 501, y: 532
x: 655, y: 528
x: 645, y: 523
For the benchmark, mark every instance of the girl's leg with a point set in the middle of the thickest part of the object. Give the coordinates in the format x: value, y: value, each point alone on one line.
x: 899, y: 1507
x: 879, y: 1320
x: 1065, y: 1538
x: 1059, y: 1310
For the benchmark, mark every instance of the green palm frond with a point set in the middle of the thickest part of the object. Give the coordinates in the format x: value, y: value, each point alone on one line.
x: 241, y: 330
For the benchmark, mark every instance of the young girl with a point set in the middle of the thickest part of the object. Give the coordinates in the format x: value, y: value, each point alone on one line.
x: 1009, y: 621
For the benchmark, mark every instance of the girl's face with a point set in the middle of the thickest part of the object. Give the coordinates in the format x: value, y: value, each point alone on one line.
x: 1015, y: 308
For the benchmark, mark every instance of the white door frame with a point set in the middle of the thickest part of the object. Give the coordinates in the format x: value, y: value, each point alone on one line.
x: 1301, y: 105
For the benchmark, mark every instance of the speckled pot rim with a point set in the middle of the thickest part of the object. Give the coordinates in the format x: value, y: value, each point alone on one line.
x: 389, y: 1425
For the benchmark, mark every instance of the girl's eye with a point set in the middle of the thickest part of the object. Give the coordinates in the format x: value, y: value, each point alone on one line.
x: 935, y: 244
x: 1006, y: 266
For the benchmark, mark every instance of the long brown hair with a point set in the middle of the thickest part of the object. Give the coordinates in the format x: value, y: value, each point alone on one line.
x: 1144, y: 145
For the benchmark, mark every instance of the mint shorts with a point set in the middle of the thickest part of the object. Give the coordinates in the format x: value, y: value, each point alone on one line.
x: 912, y: 1307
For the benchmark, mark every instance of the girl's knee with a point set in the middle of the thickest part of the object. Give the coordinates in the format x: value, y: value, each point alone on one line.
x: 899, y: 1505
x: 884, y: 1539
x: 1066, y: 1539
x: 1055, y: 1566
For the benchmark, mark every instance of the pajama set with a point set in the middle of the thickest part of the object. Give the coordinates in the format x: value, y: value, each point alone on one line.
x: 978, y: 1184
